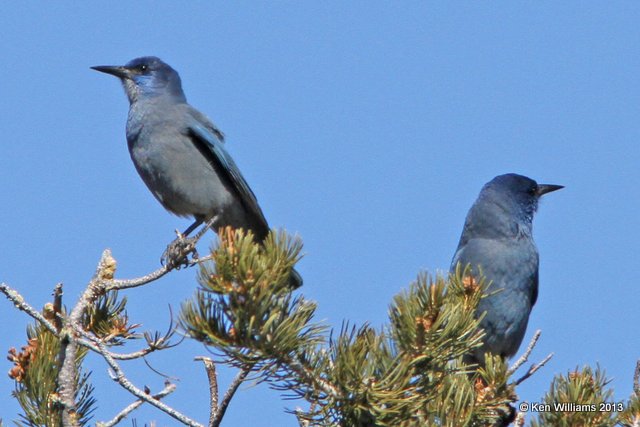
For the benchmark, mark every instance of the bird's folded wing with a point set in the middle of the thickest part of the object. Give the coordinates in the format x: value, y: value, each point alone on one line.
x: 212, y: 147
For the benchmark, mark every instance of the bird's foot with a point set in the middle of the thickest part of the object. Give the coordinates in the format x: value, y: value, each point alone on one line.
x: 177, y: 253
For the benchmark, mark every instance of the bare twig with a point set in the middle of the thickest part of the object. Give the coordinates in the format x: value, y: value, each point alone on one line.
x: 119, y: 376
x: 154, y: 370
x: 532, y: 370
x: 210, y: 367
x: 526, y: 354
x: 202, y: 259
x: 134, y: 355
x: 91, y: 342
x: 522, y: 360
x: 18, y: 300
x: 168, y: 389
x: 222, y: 408
x: 117, y: 284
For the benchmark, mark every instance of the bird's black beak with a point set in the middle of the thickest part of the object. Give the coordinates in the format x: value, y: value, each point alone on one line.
x: 115, y: 70
x: 547, y: 188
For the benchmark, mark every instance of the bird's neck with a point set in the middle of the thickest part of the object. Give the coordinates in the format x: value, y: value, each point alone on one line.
x: 497, y: 220
x: 150, y: 106
x: 147, y: 93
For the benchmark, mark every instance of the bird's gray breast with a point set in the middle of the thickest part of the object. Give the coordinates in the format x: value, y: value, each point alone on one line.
x: 175, y: 171
x: 511, y: 265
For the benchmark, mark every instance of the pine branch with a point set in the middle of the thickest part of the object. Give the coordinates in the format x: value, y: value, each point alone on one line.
x: 533, y: 369
x: 72, y: 336
x: 585, y: 387
x: 407, y: 374
x: 20, y: 303
x: 167, y: 390
x: 69, y: 349
x: 35, y: 372
x: 525, y: 356
x: 226, y: 400
x: 118, y: 284
x: 212, y: 376
x: 217, y: 410
x: 100, y: 284
x: 247, y: 313
x: 522, y: 360
x: 119, y: 376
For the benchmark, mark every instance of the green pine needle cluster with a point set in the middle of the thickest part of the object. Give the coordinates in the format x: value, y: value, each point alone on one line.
x: 35, y: 373
x: 434, y: 322
x: 585, y: 387
x: 630, y: 416
x: 373, y: 385
x: 245, y: 308
x: 107, y: 319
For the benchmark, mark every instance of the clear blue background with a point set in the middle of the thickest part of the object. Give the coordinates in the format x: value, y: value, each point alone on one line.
x: 366, y: 128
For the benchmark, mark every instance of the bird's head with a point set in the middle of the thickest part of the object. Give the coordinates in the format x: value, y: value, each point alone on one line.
x: 146, y: 77
x: 516, y: 194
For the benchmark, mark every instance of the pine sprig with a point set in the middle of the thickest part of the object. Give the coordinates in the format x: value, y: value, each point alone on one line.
x: 375, y: 384
x: 576, y: 398
x: 435, y: 319
x: 630, y: 416
x: 35, y: 373
x: 107, y: 319
x: 245, y: 308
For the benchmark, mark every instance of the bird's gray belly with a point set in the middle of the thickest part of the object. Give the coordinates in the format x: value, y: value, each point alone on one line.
x: 505, y: 322
x: 182, y: 180
x: 510, y: 266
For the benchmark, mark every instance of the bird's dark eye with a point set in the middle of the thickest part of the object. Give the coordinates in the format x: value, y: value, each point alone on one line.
x: 142, y: 68
x: 532, y: 191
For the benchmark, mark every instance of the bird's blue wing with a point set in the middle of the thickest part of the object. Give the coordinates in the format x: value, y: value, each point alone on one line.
x: 211, y: 145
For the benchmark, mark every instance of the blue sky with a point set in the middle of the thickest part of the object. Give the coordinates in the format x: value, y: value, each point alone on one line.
x: 366, y: 128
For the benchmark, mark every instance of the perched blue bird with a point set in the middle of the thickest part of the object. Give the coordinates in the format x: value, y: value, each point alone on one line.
x: 497, y: 239
x: 179, y: 152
